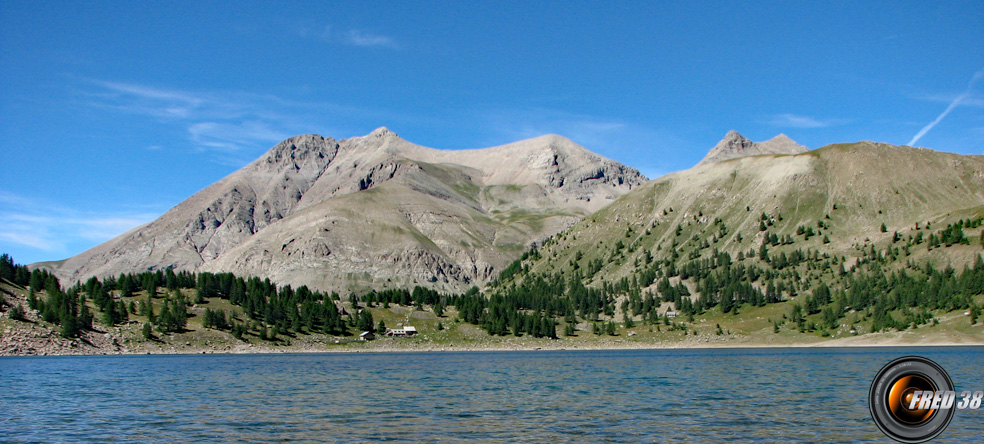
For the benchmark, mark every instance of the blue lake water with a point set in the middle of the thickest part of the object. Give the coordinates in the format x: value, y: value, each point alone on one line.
x: 708, y: 395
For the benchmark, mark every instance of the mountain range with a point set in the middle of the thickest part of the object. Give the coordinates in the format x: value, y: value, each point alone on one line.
x: 853, y: 202
x: 761, y: 243
x: 380, y: 212
x: 371, y: 212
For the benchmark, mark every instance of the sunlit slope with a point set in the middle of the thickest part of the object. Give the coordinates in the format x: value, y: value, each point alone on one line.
x: 431, y: 227
x: 841, y: 193
x: 370, y: 212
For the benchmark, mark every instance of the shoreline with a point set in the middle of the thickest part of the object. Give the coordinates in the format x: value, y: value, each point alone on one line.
x: 251, y: 349
x: 34, y: 337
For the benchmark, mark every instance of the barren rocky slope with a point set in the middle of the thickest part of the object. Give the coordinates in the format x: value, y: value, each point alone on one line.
x: 372, y: 211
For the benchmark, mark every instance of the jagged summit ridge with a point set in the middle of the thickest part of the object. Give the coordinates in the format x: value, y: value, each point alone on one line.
x: 371, y: 211
x: 734, y: 145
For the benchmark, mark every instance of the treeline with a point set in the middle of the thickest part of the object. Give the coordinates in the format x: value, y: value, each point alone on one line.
x: 551, y: 299
x: 692, y: 277
x: 17, y: 275
x: 695, y: 277
x: 14, y: 273
x: 269, y: 310
x: 897, y: 300
x: 535, y: 303
x: 67, y: 310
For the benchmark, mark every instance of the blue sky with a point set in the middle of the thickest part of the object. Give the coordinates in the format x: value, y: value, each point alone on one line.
x: 112, y: 113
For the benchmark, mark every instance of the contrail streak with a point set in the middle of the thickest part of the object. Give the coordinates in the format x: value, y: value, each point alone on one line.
x: 953, y: 104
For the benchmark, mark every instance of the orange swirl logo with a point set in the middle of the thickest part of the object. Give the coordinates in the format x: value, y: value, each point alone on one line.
x: 912, y: 399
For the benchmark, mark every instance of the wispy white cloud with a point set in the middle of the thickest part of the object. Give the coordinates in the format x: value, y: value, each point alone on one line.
x: 787, y: 120
x: 351, y: 37
x: 139, y: 99
x: 360, y: 38
x: 968, y: 98
x: 235, y: 126
x: 224, y: 121
x: 29, y: 240
x: 153, y: 93
x: 228, y: 136
x: 959, y: 100
x: 55, y: 231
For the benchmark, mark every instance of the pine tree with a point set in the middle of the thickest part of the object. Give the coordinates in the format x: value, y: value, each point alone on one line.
x: 147, y: 309
x: 150, y: 284
x: 70, y: 327
x: 17, y: 312
x: 548, y: 328
x: 365, y: 322
x: 109, y: 316
x: 796, y: 315
x: 85, y: 316
x: 238, y: 330
x: 569, y: 330
x: 164, y: 320
x: 7, y: 267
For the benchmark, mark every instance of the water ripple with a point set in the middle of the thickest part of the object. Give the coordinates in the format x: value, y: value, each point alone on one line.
x: 751, y: 395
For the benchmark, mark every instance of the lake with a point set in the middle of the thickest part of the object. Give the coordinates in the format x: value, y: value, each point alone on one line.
x: 702, y: 395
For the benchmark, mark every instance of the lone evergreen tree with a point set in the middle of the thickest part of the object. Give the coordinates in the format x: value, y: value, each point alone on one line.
x: 17, y: 313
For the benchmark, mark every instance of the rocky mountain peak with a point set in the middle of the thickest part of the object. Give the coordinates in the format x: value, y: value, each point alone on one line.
x: 782, y: 144
x: 782, y: 137
x: 734, y: 145
x: 379, y: 140
x: 301, y: 213
x: 304, y: 152
x: 381, y: 133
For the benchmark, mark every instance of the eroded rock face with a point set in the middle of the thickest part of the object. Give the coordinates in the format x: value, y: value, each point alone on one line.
x: 734, y: 145
x: 372, y: 211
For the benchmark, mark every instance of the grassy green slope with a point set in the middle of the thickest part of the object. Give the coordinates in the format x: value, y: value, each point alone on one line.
x: 843, y: 194
x: 850, y: 189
